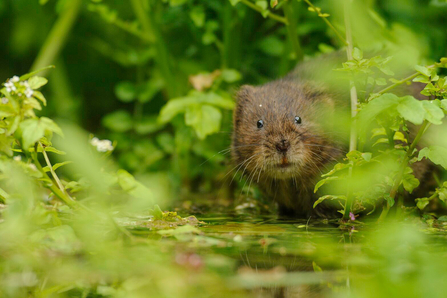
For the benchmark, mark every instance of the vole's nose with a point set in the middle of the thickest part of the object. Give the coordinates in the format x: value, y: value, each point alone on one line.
x: 282, y: 146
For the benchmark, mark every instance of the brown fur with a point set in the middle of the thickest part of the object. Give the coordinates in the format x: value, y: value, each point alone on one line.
x: 313, y: 146
x: 287, y: 176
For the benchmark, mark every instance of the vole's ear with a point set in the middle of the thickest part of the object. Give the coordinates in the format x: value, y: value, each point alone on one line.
x: 245, y: 93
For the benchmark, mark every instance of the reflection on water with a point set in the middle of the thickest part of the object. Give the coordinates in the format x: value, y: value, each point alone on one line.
x: 286, y: 258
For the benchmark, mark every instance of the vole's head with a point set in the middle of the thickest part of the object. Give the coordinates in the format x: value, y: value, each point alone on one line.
x: 283, y: 130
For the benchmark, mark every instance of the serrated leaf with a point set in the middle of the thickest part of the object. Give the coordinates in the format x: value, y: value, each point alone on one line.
x: 423, y: 70
x: 433, y: 113
x: 422, y: 203
x: 436, y: 154
x: 37, y: 82
x: 411, y: 109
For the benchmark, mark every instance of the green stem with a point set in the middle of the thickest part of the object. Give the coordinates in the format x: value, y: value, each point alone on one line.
x: 52, y: 186
x: 269, y: 14
x: 404, y: 80
x: 163, y: 60
x: 329, y: 24
x: 354, y: 104
x: 58, y: 35
x: 401, y: 171
x: 291, y: 29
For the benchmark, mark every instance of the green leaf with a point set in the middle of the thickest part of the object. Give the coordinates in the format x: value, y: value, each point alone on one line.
x: 179, y: 105
x: 328, y: 197
x: 234, y: 2
x: 422, y: 203
x: 34, y: 129
x: 411, y: 109
x: 39, y: 96
x: 423, y: 70
x: 148, y: 125
x: 325, y: 181
x: 436, y: 154
x: 316, y: 267
x: 125, y: 91
x: 262, y: 4
x: 433, y: 113
x: 230, y: 75
x: 375, y: 107
x: 357, y: 54
x: 273, y: 3
x: 204, y: 119
x: 156, y: 212
x: 37, y: 82
x: 119, y: 121
x: 410, y: 182
x: 197, y: 15
x: 132, y: 186
x: 57, y: 166
x: 444, y: 104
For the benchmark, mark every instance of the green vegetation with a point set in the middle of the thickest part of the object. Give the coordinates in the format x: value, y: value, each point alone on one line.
x: 135, y: 119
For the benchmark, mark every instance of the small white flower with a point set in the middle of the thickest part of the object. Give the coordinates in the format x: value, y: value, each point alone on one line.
x: 10, y: 86
x: 29, y: 92
x: 17, y: 158
x: 15, y: 79
x: 102, y: 145
x: 4, y: 100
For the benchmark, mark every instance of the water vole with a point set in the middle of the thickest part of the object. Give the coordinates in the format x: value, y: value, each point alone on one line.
x: 284, y: 138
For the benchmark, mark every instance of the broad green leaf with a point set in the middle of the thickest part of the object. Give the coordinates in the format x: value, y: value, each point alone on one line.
x: 156, y: 212
x: 433, y: 113
x: 39, y: 96
x: 204, y: 119
x: 375, y: 107
x: 436, y: 154
x: 119, y: 121
x: 37, y: 82
x: 422, y: 203
x: 262, y: 4
x: 230, y: 75
x: 148, y: 125
x: 423, y: 70
x: 132, y: 186
x: 410, y: 182
x: 444, y: 104
x: 179, y: 105
x: 411, y: 109
x: 34, y: 129
x: 125, y: 91
x: 325, y: 181
x: 197, y: 15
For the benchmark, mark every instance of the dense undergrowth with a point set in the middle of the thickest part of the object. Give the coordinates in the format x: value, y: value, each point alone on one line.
x: 80, y: 213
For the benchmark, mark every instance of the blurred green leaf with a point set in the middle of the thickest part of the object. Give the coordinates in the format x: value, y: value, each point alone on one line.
x: 436, y: 154
x: 34, y: 129
x: 125, y: 91
x: 120, y: 121
x: 37, y: 82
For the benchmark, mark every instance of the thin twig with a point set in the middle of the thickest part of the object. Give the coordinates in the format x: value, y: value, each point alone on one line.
x: 328, y: 23
x: 269, y: 14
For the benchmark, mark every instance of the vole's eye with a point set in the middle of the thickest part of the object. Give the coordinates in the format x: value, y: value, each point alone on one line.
x: 298, y: 120
x: 260, y: 124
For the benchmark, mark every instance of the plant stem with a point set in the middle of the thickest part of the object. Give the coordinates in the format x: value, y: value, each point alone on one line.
x: 354, y: 103
x: 269, y: 14
x: 70, y: 202
x: 398, y: 83
x: 53, y: 173
x: 163, y: 60
x: 58, y: 35
x: 401, y: 171
x: 291, y: 29
x: 329, y: 24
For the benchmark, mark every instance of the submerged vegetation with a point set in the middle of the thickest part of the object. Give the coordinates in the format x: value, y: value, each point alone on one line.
x: 115, y: 179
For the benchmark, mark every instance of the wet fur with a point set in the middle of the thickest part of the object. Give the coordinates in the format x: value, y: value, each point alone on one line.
x: 314, y: 144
